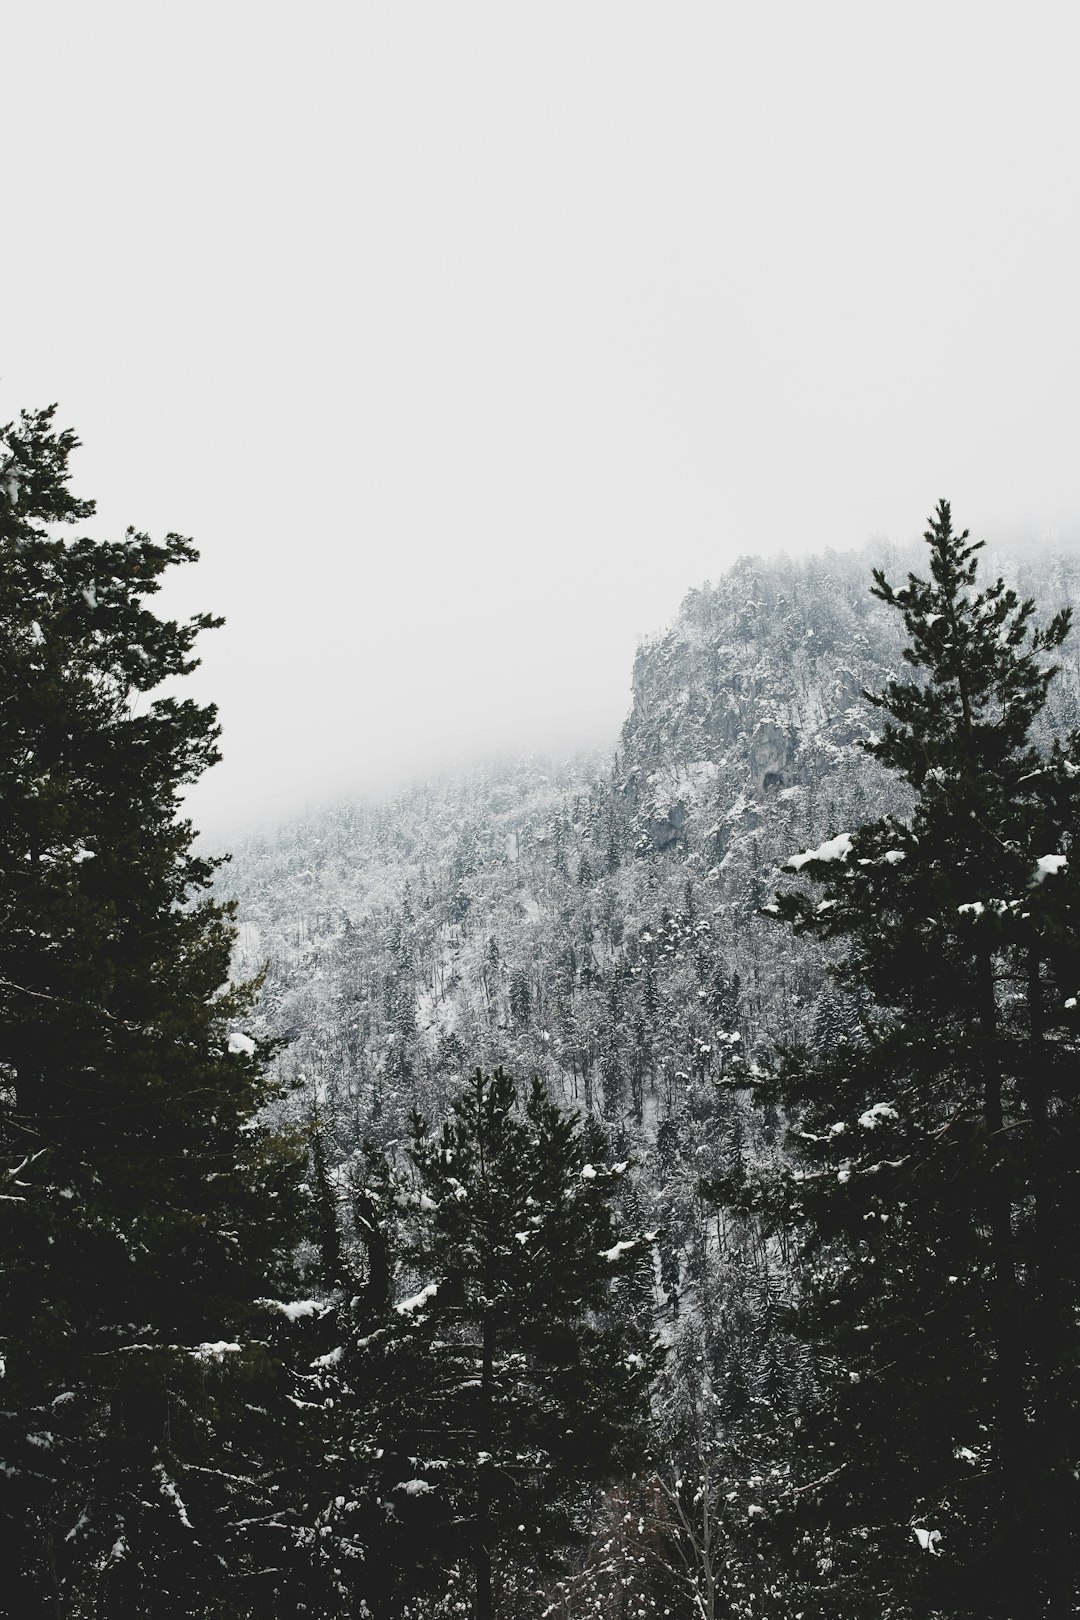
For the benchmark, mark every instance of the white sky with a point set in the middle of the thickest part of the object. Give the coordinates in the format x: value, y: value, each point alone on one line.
x: 465, y: 338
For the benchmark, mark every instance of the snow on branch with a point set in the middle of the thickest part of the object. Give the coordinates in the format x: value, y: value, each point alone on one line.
x: 833, y: 849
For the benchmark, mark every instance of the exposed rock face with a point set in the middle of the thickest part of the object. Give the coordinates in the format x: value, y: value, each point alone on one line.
x: 723, y: 720
x: 665, y: 826
x: 769, y: 756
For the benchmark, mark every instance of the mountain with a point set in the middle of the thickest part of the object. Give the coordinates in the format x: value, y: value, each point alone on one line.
x: 498, y: 915
x: 586, y: 920
x: 598, y: 923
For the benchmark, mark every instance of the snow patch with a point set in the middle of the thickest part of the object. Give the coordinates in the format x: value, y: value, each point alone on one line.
x: 331, y: 1358
x: 416, y: 1302
x: 216, y: 1351
x: 295, y: 1308
x: 875, y: 1115
x: 169, y: 1490
x: 619, y: 1249
x: 833, y: 849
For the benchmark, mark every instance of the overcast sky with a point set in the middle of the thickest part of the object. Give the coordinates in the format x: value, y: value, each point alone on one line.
x: 464, y: 338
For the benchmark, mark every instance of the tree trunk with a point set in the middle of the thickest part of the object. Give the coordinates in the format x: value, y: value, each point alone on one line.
x: 56, y: 1591
x: 485, y: 1609
x: 1010, y: 1566
x: 1054, y: 1502
x: 482, y: 1571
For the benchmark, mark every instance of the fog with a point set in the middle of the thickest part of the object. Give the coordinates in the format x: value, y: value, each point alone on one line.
x: 465, y: 338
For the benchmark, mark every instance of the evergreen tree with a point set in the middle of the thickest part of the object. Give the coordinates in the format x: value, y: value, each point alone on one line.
x: 144, y: 1213
x: 934, y: 1194
x: 535, y: 1384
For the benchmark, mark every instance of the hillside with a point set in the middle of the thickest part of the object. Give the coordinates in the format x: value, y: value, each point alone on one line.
x: 516, y: 913
x: 598, y: 923
x: 595, y: 921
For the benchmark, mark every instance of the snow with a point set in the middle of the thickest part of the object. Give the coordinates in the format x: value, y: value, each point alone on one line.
x: 241, y: 1043
x: 416, y: 1302
x: 331, y: 1358
x: 833, y: 849
x: 414, y: 1200
x: 529, y: 905
x: 1048, y: 866
x: 619, y: 1249
x: 168, y: 1489
x: 588, y: 1173
x: 296, y: 1308
x: 876, y: 1114
x: 10, y: 472
x: 80, y: 1524
x: 414, y: 1487
x: 215, y: 1352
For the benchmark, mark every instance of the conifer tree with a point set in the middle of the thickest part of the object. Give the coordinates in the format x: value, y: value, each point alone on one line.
x: 535, y: 1383
x: 143, y: 1211
x: 934, y: 1194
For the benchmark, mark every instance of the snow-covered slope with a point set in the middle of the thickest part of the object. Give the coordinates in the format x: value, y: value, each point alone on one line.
x: 596, y: 922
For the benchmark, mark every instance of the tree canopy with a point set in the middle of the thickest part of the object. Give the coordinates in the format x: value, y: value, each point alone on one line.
x: 931, y: 1184
x: 145, y: 1210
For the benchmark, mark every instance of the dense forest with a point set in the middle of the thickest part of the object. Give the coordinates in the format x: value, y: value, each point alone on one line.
x: 621, y: 1186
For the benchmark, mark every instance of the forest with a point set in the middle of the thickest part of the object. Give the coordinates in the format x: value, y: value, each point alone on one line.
x: 610, y: 1186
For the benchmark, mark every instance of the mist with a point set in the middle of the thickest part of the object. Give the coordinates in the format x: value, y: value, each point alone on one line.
x: 464, y: 341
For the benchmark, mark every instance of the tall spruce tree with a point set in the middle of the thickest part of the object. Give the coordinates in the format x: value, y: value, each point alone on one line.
x: 526, y: 1382
x: 934, y: 1193
x: 144, y: 1211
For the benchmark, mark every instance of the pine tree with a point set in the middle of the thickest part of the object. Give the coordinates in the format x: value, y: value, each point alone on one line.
x: 534, y: 1383
x: 144, y: 1213
x: 934, y: 1198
